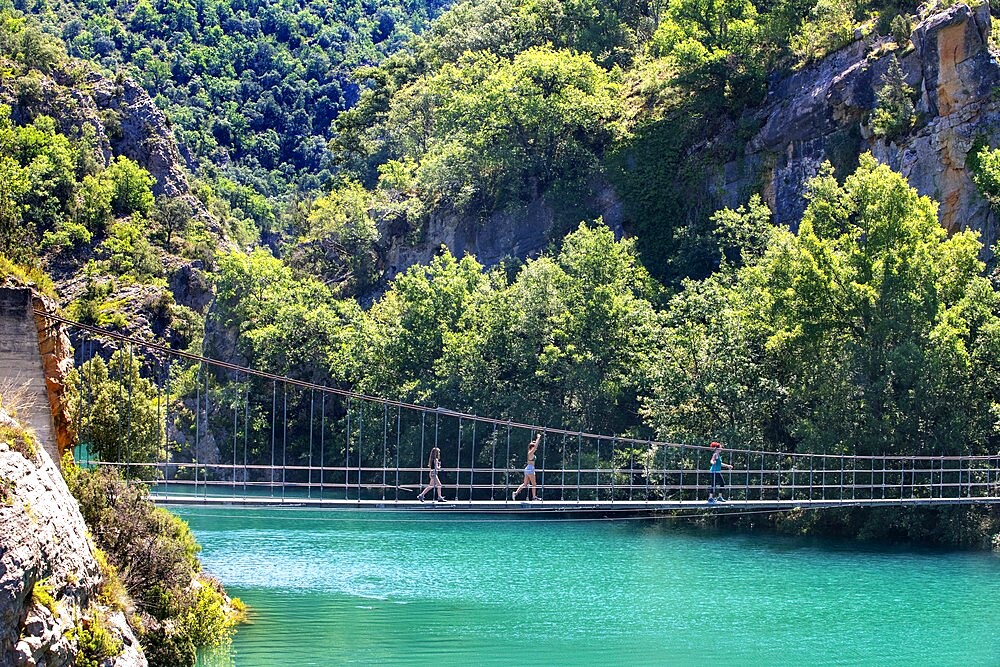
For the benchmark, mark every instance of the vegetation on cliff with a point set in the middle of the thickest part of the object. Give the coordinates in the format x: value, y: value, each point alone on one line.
x: 151, y: 568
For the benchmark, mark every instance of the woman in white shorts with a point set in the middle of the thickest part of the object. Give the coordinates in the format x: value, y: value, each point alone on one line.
x: 434, y: 463
x: 529, y: 471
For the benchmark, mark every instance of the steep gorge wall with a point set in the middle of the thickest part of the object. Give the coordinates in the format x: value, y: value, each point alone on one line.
x: 822, y: 113
x: 43, y: 537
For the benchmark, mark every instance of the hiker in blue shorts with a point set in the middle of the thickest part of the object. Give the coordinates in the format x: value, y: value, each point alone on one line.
x: 716, y: 470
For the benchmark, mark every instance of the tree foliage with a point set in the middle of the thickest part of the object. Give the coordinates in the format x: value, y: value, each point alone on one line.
x: 116, y: 410
x: 869, y: 331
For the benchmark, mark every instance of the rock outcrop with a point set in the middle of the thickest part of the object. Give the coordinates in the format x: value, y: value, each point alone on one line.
x: 57, y: 360
x: 822, y: 113
x: 506, y: 234
x: 123, y: 118
x: 49, y: 575
x: 143, y: 134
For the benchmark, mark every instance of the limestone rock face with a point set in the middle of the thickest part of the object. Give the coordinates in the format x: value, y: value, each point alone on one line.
x: 144, y: 134
x: 521, y: 233
x: 57, y: 361
x: 821, y: 113
x: 44, y: 542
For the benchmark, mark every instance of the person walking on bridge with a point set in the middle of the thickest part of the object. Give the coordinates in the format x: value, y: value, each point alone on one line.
x: 716, y: 470
x: 529, y: 471
x: 434, y: 463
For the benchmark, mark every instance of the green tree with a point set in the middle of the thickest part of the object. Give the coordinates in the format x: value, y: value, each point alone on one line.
x: 94, y: 210
x: 16, y: 238
x: 337, y: 239
x: 829, y: 26
x: 172, y: 215
x: 744, y: 234
x: 132, y: 187
x: 893, y: 114
x: 486, y: 131
x: 127, y: 251
x: 561, y: 344
x: 713, y: 377
x: 716, y: 50
x: 878, y: 315
x: 399, y: 342
x: 286, y: 325
x: 984, y: 163
x: 115, y: 409
x: 869, y: 331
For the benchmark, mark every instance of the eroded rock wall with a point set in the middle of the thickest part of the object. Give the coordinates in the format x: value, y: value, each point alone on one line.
x: 57, y: 360
x: 822, y: 113
x: 44, y: 543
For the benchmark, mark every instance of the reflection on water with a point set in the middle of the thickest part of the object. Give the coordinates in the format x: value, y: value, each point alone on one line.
x: 328, y: 587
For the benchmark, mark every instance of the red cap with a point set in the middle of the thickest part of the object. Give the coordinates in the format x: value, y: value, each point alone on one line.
x: 716, y: 444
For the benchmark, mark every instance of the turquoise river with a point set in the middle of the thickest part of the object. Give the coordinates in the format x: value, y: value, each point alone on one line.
x: 380, y: 588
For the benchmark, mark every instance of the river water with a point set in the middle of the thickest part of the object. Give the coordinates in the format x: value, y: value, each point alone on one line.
x: 377, y: 588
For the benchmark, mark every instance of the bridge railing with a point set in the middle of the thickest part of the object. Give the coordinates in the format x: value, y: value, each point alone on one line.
x: 939, y: 479
x: 223, y: 429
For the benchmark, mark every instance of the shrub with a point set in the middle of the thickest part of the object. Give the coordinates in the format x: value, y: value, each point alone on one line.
x: 166, y: 646
x: 41, y: 594
x: 830, y: 26
x: 95, y: 643
x: 127, y: 251
x: 901, y: 29
x: 112, y: 592
x: 149, y: 553
x: 132, y: 187
x: 985, y: 166
x: 893, y: 114
x: 66, y: 236
x: 147, y: 545
x: 20, y: 440
x: 27, y: 275
x: 208, y: 619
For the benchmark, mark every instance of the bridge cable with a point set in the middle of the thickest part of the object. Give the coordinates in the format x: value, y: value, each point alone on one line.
x: 236, y: 407
x: 322, y: 442
x: 493, y: 463
x: 472, y: 463
x: 399, y: 429
x: 347, y: 451
x: 274, y: 428
x: 423, y: 426
x: 284, y: 436
x: 385, y: 444
x: 246, y: 434
x: 506, y: 482
x: 312, y: 421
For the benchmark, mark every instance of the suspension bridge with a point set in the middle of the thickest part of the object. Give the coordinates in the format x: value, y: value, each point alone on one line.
x: 230, y: 435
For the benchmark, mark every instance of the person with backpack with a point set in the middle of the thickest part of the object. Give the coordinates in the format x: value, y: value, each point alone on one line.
x: 716, y: 471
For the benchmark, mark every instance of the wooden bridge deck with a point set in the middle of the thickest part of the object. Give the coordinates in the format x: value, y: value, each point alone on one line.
x: 553, y: 506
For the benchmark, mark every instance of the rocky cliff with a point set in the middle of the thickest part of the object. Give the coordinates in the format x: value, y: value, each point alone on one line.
x: 49, y: 576
x: 822, y: 113
x: 817, y: 113
x: 50, y: 579
x: 121, y: 117
x: 520, y: 232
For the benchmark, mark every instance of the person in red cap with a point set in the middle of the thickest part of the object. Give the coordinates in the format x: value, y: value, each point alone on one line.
x: 716, y: 470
